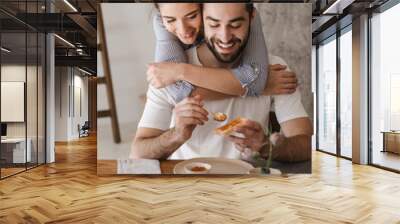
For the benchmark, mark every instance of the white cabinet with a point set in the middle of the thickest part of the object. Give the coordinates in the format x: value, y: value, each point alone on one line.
x: 16, y: 149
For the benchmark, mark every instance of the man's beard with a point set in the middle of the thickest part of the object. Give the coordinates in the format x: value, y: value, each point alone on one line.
x: 235, y: 55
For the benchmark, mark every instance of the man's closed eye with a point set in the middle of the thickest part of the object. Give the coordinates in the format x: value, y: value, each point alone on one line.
x: 193, y: 16
x: 214, y: 25
x: 235, y: 25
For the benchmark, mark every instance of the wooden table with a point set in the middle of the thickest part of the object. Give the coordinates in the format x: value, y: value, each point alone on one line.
x: 109, y: 167
x: 391, y: 141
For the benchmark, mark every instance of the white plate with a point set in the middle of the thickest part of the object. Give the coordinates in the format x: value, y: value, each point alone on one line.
x: 218, y: 166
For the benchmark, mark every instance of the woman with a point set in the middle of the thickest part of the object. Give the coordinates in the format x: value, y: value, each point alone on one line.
x: 178, y: 26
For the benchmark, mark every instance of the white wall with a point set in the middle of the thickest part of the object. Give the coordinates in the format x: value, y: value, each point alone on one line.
x: 79, y: 117
x: 33, y: 126
x: 17, y: 73
x: 14, y: 73
x: 67, y: 81
x: 61, y: 103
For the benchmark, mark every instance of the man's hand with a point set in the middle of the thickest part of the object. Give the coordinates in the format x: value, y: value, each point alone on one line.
x: 254, y: 137
x: 151, y: 143
x: 280, y: 81
x: 189, y: 113
x: 163, y: 74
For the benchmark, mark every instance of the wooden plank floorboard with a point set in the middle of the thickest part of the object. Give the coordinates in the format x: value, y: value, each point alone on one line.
x: 69, y: 191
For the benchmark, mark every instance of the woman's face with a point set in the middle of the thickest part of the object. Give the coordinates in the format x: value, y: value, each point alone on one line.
x: 182, y: 19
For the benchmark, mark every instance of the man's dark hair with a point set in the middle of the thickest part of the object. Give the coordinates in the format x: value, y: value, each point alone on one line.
x: 250, y: 7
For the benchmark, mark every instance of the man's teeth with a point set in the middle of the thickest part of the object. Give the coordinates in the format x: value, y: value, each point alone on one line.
x: 225, y: 45
x: 188, y: 35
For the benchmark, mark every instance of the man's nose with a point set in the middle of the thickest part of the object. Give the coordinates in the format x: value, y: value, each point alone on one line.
x: 225, y: 35
x: 182, y: 27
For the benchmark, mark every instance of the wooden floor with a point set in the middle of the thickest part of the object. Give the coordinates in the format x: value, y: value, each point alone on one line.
x: 5, y: 172
x: 387, y: 159
x: 70, y: 192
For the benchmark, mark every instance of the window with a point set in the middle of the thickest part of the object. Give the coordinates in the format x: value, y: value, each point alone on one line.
x: 346, y: 93
x: 22, y: 65
x: 327, y: 96
x: 385, y: 87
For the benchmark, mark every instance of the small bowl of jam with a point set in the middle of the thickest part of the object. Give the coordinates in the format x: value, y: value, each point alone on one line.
x: 197, y: 168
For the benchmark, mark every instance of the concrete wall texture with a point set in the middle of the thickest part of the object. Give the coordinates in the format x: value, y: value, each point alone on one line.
x: 287, y: 32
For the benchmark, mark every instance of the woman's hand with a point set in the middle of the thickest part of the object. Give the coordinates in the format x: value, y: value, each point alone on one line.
x: 163, y: 74
x: 280, y: 81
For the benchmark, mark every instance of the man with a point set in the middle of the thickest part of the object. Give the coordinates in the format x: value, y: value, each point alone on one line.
x: 183, y: 130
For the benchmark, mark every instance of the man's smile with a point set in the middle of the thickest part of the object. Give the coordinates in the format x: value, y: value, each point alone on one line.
x: 226, y: 48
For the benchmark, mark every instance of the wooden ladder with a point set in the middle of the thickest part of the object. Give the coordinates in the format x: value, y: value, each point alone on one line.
x: 111, y: 112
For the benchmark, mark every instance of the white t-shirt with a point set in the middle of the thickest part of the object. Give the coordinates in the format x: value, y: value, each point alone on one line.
x: 158, y: 114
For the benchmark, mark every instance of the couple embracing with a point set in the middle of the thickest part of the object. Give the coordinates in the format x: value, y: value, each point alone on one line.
x: 212, y: 57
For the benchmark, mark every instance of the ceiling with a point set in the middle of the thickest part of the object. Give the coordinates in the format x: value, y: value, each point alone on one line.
x: 72, y: 20
x: 331, y: 15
